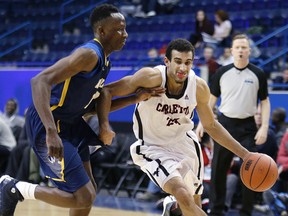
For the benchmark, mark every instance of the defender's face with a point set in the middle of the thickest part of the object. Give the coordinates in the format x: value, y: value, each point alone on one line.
x: 241, y: 49
x: 116, y: 32
x: 180, y: 65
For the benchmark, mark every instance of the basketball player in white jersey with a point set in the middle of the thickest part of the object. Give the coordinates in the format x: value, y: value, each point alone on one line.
x: 167, y: 149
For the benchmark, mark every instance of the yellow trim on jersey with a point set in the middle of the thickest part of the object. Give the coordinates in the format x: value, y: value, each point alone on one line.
x: 58, y: 126
x: 62, y: 179
x: 106, y: 62
x: 98, y: 41
x: 64, y: 92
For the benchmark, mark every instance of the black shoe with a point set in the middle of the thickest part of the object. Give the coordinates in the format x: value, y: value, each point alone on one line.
x: 9, y: 195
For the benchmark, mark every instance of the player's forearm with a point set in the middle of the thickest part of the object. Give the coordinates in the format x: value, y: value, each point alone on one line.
x: 103, y: 108
x: 41, y: 98
x: 212, y: 101
x: 221, y: 136
x: 120, y: 103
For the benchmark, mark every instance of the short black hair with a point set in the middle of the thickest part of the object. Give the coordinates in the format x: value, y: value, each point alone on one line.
x: 180, y: 45
x: 102, y: 12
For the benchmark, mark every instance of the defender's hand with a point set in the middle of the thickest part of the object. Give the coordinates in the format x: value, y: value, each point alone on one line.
x: 146, y: 93
x: 106, y: 136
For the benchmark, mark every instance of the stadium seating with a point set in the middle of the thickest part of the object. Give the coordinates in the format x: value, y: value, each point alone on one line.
x: 46, y: 15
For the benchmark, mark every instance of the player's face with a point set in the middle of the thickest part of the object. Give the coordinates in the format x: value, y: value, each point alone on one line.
x: 180, y: 65
x: 240, y: 49
x: 116, y: 33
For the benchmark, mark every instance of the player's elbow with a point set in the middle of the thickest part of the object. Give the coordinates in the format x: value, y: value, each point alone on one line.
x: 34, y: 81
x: 106, y: 92
x: 209, y: 126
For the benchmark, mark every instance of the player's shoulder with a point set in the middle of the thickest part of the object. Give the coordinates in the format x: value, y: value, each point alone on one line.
x: 85, y: 52
x: 159, y: 68
x: 147, y: 77
x: 91, y: 47
x: 201, y: 84
x: 202, y: 90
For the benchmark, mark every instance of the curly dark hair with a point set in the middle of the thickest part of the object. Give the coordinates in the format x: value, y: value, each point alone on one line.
x: 101, y: 12
x: 181, y: 45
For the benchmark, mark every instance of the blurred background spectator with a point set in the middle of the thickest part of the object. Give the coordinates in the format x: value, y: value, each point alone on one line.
x: 278, y: 123
x: 202, y: 24
x: 148, y: 9
x: 11, y: 117
x: 270, y: 147
x: 281, y: 80
x: 226, y: 57
x: 7, y: 143
x: 222, y: 30
x: 208, y: 62
x: 282, y: 160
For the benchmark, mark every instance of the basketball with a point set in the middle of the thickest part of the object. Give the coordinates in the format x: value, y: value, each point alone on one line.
x: 258, y: 172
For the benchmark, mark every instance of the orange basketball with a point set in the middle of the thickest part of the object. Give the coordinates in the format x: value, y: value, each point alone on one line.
x: 258, y: 172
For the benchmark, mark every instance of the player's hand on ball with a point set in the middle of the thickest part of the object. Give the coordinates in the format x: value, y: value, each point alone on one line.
x: 258, y: 172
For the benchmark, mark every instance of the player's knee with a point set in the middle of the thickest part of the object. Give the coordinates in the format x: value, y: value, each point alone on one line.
x: 86, y: 200
x: 183, y: 196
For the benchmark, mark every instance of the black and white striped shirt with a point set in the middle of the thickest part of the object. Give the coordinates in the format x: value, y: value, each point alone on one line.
x: 240, y: 90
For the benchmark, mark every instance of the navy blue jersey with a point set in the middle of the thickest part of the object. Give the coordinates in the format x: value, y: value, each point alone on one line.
x: 76, y: 96
x: 70, y: 100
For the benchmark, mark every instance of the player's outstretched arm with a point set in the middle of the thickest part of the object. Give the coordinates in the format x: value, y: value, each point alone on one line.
x: 144, y: 78
x: 141, y: 94
x: 213, y: 127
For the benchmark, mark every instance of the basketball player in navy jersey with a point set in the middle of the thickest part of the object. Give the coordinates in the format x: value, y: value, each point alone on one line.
x: 62, y: 94
x: 167, y: 149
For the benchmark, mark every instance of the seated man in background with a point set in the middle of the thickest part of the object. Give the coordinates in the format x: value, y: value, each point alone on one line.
x: 15, y: 121
x: 7, y: 143
x: 281, y: 82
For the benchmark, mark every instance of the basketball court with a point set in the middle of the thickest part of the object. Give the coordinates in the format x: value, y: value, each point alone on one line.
x: 36, y: 208
x: 104, y: 206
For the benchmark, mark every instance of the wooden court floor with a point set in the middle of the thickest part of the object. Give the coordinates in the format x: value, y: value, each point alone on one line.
x: 38, y: 208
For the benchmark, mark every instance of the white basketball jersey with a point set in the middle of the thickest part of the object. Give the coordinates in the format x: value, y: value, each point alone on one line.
x: 162, y: 120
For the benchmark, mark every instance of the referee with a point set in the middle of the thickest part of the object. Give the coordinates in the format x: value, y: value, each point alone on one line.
x: 241, y: 86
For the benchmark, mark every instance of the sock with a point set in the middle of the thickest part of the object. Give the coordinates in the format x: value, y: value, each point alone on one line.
x: 26, y: 189
x: 175, y: 210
